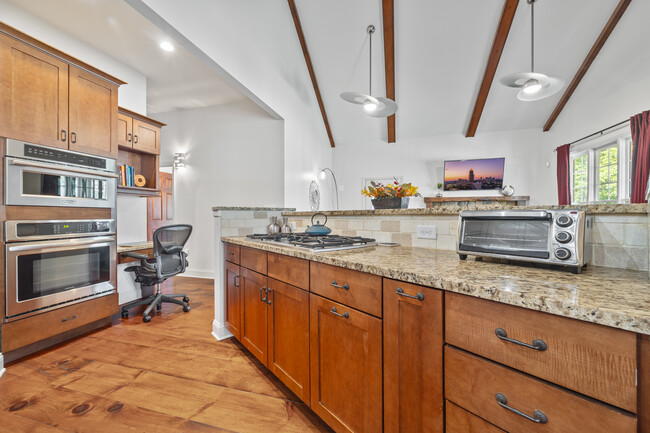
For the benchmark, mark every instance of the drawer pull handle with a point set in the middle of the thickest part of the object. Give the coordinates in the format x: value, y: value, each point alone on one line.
x: 236, y: 281
x: 419, y: 295
x: 262, y: 297
x: 345, y: 314
x: 266, y: 299
x: 537, y: 344
x: 538, y: 417
x: 230, y: 252
x: 65, y: 319
x: 344, y: 286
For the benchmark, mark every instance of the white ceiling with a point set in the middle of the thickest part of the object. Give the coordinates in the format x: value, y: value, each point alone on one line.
x: 175, y: 80
x: 441, y: 49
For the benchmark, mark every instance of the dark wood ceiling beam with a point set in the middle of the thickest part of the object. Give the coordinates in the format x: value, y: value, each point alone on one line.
x: 310, y: 68
x: 591, y: 56
x: 507, y: 16
x: 388, y: 12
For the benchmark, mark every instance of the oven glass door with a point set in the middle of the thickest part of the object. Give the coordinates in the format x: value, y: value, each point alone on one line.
x: 45, y: 184
x: 46, y: 273
x: 522, y: 238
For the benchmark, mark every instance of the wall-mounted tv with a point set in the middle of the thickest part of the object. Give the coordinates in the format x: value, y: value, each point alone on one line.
x: 474, y: 174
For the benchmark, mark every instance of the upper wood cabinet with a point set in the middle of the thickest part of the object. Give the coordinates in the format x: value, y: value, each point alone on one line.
x: 137, y: 132
x: 124, y: 130
x: 146, y: 137
x: 52, y: 99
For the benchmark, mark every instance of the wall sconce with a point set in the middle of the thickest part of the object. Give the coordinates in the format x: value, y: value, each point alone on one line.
x: 179, y: 160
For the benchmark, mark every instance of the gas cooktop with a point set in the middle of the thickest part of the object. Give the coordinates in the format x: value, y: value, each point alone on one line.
x: 315, y: 243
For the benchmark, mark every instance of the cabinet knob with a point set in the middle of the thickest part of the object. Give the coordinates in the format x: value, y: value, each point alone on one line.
x: 419, y: 296
x: 129, y: 137
x: 65, y: 319
x: 236, y: 281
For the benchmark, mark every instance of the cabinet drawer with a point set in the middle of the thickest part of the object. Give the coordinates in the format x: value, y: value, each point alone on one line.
x: 290, y: 270
x: 461, y: 421
x: 592, y: 359
x: 253, y: 259
x: 475, y: 384
x: 356, y: 289
x: 231, y: 253
x: 36, y: 328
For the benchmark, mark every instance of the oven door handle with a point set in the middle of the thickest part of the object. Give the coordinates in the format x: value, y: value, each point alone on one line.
x: 60, y: 168
x: 28, y: 246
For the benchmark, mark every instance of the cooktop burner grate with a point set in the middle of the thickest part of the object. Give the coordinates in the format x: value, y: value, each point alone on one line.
x: 314, y: 242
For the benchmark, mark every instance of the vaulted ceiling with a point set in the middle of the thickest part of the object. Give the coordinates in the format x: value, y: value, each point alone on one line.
x: 441, y: 51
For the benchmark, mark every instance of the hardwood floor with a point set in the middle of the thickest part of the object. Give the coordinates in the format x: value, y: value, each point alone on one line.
x: 169, y: 375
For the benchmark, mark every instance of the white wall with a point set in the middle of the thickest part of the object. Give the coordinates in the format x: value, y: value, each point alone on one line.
x: 234, y: 157
x: 256, y: 42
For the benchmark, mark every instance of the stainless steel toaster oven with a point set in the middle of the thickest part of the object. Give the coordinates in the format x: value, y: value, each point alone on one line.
x: 559, y: 237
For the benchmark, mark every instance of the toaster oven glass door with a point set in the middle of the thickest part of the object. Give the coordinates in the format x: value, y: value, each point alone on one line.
x: 523, y: 238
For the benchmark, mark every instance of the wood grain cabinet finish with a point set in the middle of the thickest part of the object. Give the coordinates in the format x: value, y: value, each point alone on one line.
x: 291, y: 270
x: 146, y: 137
x: 231, y: 253
x: 93, y: 114
x: 33, y: 94
x: 124, y: 130
x: 356, y: 289
x: 346, y: 366
x: 254, y: 314
x: 36, y: 328
x: 644, y: 383
x: 413, y: 341
x: 288, y: 336
x: 253, y: 259
x: 475, y: 383
x: 233, y: 300
x: 458, y: 420
x: 591, y: 359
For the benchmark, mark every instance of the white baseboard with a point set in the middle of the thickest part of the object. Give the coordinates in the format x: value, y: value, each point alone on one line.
x: 219, y: 331
x: 198, y: 273
x: 2, y: 365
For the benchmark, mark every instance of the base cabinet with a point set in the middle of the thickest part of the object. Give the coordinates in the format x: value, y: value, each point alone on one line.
x: 413, y: 342
x: 254, y: 314
x: 346, y: 366
x: 233, y: 299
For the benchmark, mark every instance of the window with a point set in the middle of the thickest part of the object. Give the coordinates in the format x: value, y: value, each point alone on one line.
x: 601, y: 170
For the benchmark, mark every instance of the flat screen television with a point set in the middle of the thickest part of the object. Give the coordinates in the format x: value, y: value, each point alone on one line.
x: 474, y: 174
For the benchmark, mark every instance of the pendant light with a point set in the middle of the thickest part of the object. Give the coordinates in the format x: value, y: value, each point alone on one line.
x: 534, y: 86
x: 374, y: 106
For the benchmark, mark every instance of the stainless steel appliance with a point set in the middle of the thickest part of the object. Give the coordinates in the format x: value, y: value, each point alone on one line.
x: 50, y: 264
x: 46, y: 176
x: 315, y: 243
x: 558, y: 237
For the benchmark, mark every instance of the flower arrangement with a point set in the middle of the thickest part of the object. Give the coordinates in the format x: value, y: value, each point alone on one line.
x: 395, y: 189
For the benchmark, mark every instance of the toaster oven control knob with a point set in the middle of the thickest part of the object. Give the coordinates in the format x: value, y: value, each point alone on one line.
x: 563, y: 237
x: 562, y: 254
x: 564, y: 221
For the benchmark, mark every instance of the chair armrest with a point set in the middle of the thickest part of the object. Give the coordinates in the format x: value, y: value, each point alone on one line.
x: 134, y: 255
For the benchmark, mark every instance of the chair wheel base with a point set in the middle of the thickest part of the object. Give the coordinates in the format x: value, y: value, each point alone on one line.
x: 186, y: 308
x: 125, y: 314
x: 159, y: 307
x: 186, y: 299
x: 146, y: 319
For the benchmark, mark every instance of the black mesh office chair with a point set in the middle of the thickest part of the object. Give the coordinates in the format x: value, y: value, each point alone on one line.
x: 168, y: 260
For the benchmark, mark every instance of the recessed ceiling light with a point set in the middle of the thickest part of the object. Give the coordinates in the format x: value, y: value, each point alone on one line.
x: 167, y: 46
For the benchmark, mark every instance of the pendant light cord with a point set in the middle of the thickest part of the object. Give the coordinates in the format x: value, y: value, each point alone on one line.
x: 371, y: 30
x: 532, y: 35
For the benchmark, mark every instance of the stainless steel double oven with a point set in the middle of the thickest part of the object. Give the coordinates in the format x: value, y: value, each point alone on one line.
x: 50, y: 263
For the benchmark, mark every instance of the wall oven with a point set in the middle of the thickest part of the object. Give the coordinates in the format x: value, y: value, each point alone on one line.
x: 559, y: 237
x: 45, y: 176
x: 50, y: 264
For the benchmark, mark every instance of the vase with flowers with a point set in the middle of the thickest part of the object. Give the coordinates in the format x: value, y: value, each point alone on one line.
x: 390, y: 196
x: 439, y: 189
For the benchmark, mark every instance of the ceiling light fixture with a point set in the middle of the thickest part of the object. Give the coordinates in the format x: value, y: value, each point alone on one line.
x: 534, y: 86
x: 167, y: 46
x: 375, y: 106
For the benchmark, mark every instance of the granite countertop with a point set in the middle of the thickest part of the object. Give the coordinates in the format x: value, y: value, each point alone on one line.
x: 245, y: 208
x: 619, y: 298
x: 134, y: 246
x: 454, y: 209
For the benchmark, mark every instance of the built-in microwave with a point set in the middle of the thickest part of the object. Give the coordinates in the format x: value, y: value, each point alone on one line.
x: 558, y: 236
x: 45, y: 176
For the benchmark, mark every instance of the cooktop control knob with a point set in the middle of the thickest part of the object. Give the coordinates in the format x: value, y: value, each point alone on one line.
x: 563, y: 237
x: 564, y: 221
x: 562, y: 254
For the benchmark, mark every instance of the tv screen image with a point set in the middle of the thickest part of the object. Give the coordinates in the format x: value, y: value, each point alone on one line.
x: 474, y: 174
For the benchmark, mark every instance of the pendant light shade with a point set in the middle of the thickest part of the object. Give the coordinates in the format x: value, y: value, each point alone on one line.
x: 534, y: 86
x: 374, y: 106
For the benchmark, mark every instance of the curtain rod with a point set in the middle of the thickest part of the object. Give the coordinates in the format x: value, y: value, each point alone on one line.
x: 597, y: 132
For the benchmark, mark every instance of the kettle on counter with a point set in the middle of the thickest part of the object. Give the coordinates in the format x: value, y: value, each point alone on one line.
x: 318, y: 229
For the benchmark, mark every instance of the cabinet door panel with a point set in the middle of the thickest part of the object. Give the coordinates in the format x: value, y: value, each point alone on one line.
x: 254, y: 314
x: 346, y: 367
x: 233, y: 300
x: 413, y: 343
x: 33, y: 95
x: 124, y: 130
x: 146, y: 137
x: 289, y: 336
x: 93, y: 114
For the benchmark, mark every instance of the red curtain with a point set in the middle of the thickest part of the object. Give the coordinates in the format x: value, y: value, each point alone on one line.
x: 640, y: 126
x: 563, y: 181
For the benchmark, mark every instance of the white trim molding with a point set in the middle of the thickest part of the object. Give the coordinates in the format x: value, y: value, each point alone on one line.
x: 219, y: 331
x: 2, y: 365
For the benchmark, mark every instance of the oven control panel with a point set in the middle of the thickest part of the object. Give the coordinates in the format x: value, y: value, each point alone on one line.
x: 30, y: 230
x: 63, y: 156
